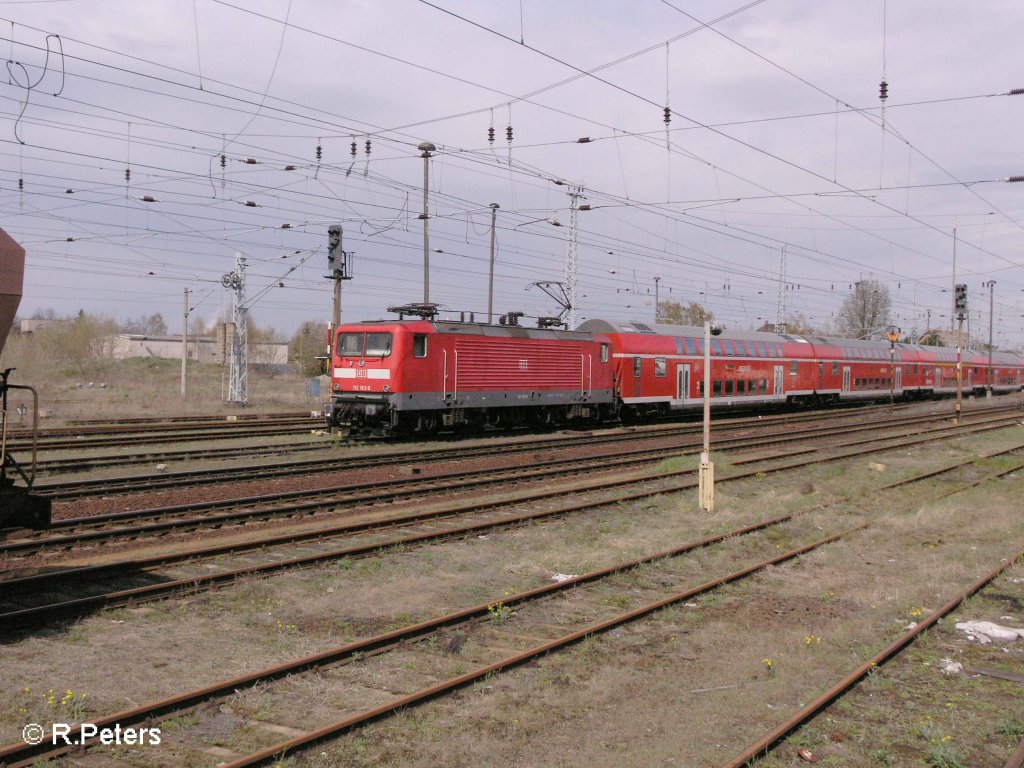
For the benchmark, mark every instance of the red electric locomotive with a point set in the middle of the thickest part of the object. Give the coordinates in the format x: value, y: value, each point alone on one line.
x: 416, y: 376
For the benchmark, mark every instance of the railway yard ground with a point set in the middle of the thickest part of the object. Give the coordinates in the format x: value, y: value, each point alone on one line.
x: 533, y: 600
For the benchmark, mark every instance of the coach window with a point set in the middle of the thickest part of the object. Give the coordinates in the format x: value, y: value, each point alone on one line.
x: 637, y: 362
x: 716, y: 347
x: 728, y: 387
x: 716, y: 389
x: 660, y: 366
x: 604, y: 353
x: 764, y: 386
x: 835, y: 368
x: 792, y: 368
x: 691, y: 347
x: 419, y: 345
x: 761, y: 351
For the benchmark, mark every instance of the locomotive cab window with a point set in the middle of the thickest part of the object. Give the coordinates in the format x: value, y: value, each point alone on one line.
x: 378, y: 344
x: 604, y: 353
x: 419, y: 345
x: 350, y: 344
x: 637, y: 363
x: 660, y: 366
x: 792, y: 368
x: 364, y: 344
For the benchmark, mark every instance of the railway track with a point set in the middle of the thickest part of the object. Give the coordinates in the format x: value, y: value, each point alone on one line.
x: 192, y: 434
x: 546, y: 620
x: 82, y: 462
x: 137, y: 524
x: 20, y: 597
x: 85, y: 488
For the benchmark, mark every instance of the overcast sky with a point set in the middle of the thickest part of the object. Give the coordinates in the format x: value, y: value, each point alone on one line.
x: 776, y: 139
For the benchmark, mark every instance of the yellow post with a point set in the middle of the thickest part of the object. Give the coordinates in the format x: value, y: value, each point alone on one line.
x: 706, y: 483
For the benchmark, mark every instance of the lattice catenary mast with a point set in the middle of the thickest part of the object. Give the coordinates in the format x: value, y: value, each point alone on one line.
x: 570, y: 255
x: 780, y: 309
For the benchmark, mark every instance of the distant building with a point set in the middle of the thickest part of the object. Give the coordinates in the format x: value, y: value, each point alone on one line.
x: 32, y: 324
x: 202, y: 349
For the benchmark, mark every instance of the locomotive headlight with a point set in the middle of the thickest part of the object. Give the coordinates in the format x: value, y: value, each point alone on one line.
x: 337, y: 387
x: 387, y: 387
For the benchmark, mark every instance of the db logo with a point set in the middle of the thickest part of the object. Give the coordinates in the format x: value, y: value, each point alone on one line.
x: 522, y: 365
x: 360, y: 374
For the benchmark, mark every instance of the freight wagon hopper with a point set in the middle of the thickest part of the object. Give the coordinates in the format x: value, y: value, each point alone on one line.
x: 418, y: 377
x: 18, y: 506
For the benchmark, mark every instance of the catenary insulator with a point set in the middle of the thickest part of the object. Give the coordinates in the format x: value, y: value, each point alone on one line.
x: 223, y: 161
x: 354, y: 148
x: 508, y: 134
x: 883, y: 90
x: 490, y: 135
x: 667, y: 115
x: 319, y: 153
x: 367, y: 146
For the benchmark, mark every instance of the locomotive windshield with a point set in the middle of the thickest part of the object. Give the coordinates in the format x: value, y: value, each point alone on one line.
x: 364, y: 344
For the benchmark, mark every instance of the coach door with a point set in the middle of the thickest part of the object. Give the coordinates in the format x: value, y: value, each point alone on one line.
x: 899, y: 379
x: 682, y: 384
x: 846, y: 378
x: 780, y: 379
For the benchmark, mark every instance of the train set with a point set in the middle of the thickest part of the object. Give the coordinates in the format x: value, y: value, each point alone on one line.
x: 420, y: 376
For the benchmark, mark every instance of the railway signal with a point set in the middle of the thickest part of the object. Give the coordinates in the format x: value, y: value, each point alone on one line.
x: 960, y: 300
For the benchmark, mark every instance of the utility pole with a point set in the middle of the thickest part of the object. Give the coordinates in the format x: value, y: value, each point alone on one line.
x: 238, y: 377
x: 960, y: 310
x: 656, y: 303
x: 706, y: 473
x: 991, y: 303
x: 780, y: 308
x: 953, y: 315
x: 490, y: 278
x: 426, y: 148
x: 338, y: 264
x: 893, y: 334
x: 184, y: 344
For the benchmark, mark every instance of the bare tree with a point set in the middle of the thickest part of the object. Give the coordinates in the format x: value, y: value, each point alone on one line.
x: 678, y: 313
x: 800, y: 325
x: 865, y: 312
x: 153, y: 325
